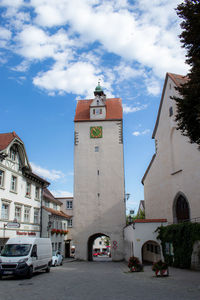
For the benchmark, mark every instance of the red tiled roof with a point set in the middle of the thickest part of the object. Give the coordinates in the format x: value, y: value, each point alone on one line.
x: 150, y: 220
x: 56, y: 212
x: 6, y: 139
x: 113, y: 110
x: 178, y: 79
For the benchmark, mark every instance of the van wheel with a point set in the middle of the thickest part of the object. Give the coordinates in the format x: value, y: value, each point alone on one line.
x: 30, y: 272
x: 48, y: 269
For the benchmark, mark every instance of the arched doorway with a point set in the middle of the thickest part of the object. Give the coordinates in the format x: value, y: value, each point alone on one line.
x: 151, y: 252
x: 181, y: 209
x: 101, y: 247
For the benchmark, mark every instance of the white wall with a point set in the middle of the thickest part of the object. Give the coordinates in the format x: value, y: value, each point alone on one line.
x: 174, y: 154
x: 136, y: 237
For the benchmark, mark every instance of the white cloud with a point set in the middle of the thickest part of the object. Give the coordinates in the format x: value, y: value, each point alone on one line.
x: 131, y: 109
x: 79, y: 78
x: 61, y: 193
x: 22, y: 67
x: 144, y: 35
x: 45, y: 173
x: 152, y: 86
x: 137, y: 133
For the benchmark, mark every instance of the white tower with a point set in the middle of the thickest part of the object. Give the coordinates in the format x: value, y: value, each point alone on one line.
x: 99, y: 207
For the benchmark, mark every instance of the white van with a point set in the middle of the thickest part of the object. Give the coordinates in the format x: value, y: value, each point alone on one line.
x: 25, y: 255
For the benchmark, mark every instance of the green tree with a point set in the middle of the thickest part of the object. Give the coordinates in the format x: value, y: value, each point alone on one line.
x: 188, y: 104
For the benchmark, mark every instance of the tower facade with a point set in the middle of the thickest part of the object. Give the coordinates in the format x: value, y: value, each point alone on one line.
x: 99, y: 207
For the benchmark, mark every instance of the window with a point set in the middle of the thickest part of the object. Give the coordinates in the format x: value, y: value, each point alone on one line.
x: 37, y: 192
x: 171, y: 111
x: 93, y: 111
x: 100, y: 243
x: 27, y: 214
x: 54, y: 206
x: 70, y: 223
x: 18, y: 211
x: 13, y: 183
x: 28, y: 189
x: 96, y: 149
x: 69, y: 205
x: 46, y: 203
x: 12, y: 154
x: 59, y: 246
x: 5, y: 211
x: 36, y: 215
x: 1, y: 178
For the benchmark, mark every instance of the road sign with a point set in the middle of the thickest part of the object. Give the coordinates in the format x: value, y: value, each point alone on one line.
x: 13, y: 225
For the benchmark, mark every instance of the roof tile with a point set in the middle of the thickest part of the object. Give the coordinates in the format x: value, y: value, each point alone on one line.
x: 113, y: 110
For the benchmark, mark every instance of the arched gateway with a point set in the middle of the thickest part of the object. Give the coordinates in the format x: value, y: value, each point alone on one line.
x: 99, y: 205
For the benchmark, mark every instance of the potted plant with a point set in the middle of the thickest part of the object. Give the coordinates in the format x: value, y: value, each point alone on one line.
x: 134, y: 264
x: 160, y: 268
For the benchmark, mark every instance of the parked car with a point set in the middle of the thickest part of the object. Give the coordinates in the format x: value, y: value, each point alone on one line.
x: 57, y: 258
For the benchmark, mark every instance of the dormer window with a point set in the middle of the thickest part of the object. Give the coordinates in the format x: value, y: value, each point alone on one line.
x: 12, y: 154
x: 97, y: 102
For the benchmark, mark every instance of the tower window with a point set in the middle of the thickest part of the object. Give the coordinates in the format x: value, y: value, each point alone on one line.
x: 171, y: 111
x: 97, y: 172
x: 96, y: 149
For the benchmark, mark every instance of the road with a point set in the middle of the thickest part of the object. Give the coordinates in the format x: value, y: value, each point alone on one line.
x: 102, y: 281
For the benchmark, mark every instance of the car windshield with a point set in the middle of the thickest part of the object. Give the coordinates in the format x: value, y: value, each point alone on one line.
x: 16, y: 250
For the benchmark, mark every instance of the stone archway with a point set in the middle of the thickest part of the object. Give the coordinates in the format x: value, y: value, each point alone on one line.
x: 151, y: 252
x: 181, y: 209
x: 91, y: 240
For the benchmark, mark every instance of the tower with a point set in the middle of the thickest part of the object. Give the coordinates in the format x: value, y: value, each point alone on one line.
x: 99, y: 207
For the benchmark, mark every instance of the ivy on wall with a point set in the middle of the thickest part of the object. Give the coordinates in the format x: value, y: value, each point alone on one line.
x: 182, y: 236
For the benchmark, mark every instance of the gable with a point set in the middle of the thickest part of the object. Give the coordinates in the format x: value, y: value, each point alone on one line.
x: 98, y: 102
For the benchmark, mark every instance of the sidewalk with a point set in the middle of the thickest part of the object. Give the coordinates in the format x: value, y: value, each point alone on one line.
x: 68, y: 259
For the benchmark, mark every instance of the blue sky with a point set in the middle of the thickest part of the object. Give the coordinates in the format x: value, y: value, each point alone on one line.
x: 54, y: 52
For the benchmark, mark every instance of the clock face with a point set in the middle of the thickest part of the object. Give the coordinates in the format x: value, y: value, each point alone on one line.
x: 96, y: 132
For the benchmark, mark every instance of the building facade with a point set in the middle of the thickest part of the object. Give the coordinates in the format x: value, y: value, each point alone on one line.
x: 172, y: 180
x: 20, y: 191
x: 55, y: 223
x: 99, y: 206
x: 67, y: 208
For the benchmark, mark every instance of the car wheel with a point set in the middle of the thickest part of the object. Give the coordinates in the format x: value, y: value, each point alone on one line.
x: 55, y: 263
x: 30, y: 272
x: 61, y: 262
x: 48, y: 269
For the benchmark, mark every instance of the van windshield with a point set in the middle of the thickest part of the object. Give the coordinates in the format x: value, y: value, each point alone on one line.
x: 16, y: 250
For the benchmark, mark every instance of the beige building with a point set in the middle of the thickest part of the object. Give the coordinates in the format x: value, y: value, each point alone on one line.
x: 55, y: 223
x: 172, y: 179
x: 99, y: 207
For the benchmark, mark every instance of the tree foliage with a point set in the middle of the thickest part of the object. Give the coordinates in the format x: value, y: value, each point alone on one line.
x: 188, y: 104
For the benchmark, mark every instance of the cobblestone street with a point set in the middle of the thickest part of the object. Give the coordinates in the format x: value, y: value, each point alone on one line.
x: 102, y: 280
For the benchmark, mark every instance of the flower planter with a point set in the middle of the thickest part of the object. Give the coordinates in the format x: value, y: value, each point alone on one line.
x: 162, y: 273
